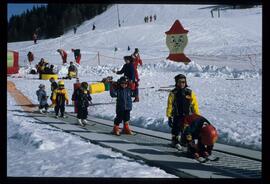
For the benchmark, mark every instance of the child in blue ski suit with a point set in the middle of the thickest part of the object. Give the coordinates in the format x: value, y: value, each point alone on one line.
x: 42, y: 98
x: 123, y: 104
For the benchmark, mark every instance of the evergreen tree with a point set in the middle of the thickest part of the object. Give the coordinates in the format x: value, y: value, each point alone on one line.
x: 51, y: 21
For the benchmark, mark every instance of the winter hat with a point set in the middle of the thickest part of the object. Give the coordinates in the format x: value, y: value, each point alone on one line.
x: 84, y: 85
x: 136, y: 50
x: 128, y: 58
x: 123, y: 79
x: 51, y: 79
x: 180, y: 76
x: 41, y: 86
x: 177, y: 28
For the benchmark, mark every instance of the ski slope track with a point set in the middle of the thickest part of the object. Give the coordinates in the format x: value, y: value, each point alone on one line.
x: 153, y: 148
x: 225, y: 72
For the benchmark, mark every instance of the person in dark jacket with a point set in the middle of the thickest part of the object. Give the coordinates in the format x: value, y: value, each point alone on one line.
x: 182, y: 101
x: 196, y: 127
x: 72, y: 71
x: 128, y: 69
x: 42, y: 98
x: 35, y: 38
x: 83, y: 98
x: 77, y: 55
x: 54, y: 86
x: 123, y: 93
x: 30, y: 57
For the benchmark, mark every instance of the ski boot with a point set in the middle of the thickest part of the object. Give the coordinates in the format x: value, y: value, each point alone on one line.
x: 116, y: 130
x: 126, y: 129
x: 80, y: 122
x: 136, y: 99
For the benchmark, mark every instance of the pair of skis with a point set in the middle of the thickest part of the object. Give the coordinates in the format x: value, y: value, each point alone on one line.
x: 212, y: 158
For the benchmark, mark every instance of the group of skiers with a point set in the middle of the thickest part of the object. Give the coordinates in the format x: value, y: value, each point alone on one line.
x: 150, y: 18
x: 77, y: 55
x: 43, y: 67
x: 188, y: 128
x: 59, y: 98
x: 187, y: 125
x: 130, y: 70
x: 63, y: 54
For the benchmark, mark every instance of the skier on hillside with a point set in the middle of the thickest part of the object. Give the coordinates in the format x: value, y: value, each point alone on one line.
x: 182, y: 101
x: 35, y: 38
x: 136, y: 61
x: 30, y: 57
x: 63, y: 54
x: 42, y: 98
x: 83, y: 98
x: 123, y: 104
x: 77, y: 55
x: 196, y: 127
x: 60, y: 96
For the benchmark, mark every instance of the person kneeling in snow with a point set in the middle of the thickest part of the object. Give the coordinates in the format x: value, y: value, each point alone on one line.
x: 72, y: 71
x: 83, y: 98
x: 196, y: 127
x: 60, y: 95
x: 123, y: 104
x: 42, y: 98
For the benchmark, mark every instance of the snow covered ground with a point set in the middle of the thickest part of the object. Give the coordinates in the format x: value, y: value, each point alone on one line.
x: 221, y: 49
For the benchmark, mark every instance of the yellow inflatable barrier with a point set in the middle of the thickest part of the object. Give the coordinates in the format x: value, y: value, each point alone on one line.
x: 97, y: 88
x: 48, y: 76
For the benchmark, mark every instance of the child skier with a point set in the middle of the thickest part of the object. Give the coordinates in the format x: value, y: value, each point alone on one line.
x: 54, y: 86
x: 123, y: 104
x: 182, y: 101
x: 196, y: 127
x: 42, y: 98
x: 83, y: 98
x: 60, y: 96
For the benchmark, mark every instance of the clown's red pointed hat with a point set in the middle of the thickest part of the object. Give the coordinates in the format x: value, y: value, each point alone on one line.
x: 177, y: 28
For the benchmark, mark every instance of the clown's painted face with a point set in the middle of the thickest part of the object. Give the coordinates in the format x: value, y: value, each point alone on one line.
x: 176, y: 43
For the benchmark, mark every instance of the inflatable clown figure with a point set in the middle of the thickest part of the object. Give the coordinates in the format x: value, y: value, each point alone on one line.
x: 176, y: 41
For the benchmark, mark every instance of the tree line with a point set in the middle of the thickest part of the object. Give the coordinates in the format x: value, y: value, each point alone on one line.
x: 50, y: 21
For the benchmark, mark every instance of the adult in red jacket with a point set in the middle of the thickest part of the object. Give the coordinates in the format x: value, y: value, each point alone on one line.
x: 63, y: 55
x: 136, y: 61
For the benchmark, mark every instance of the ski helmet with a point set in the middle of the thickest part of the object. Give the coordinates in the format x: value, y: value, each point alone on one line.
x: 41, y: 86
x: 208, y: 134
x: 136, y: 50
x: 51, y: 79
x: 84, y: 85
x: 61, y: 83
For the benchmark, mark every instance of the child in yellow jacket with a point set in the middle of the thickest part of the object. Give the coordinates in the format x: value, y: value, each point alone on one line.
x: 182, y: 101
x: 60, y: 96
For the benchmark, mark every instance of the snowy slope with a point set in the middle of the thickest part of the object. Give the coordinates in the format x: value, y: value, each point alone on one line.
x: 222, y: 48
